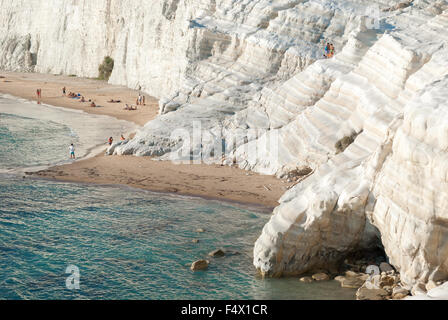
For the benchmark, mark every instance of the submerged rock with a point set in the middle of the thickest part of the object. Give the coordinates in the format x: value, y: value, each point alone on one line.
x: 321, y: 277
x: 306, y: 279
x: 200, y: 265
x: 217, y: 253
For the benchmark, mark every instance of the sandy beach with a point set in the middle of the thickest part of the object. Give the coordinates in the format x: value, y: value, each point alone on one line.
x: 208, y: 181
x: 24, y: 85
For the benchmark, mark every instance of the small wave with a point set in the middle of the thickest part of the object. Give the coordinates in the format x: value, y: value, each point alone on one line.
x: 88, y: 133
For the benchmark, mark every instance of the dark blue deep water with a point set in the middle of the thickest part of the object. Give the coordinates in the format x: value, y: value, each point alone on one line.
x: 126, y: 243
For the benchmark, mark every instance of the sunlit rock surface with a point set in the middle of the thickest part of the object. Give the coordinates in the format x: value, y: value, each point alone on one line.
x: 245, y: 82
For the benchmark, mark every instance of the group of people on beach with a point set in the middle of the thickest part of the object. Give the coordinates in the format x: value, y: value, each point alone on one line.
x: 79, y: 96
x: 329, y: 50
x: 141, y: 100
x: 110, y: 141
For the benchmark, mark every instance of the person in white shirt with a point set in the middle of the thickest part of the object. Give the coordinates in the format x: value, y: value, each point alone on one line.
x: 72, y: 151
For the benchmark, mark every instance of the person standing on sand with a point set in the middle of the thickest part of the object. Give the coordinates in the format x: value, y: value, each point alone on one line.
x: 39, y: 95
x: 72, y: 152
x: 64, y: 91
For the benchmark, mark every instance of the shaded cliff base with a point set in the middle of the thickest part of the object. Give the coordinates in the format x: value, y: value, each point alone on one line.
x: 369, y: 272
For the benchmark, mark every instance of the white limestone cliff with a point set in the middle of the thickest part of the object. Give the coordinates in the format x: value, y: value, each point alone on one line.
x: 370, y: 122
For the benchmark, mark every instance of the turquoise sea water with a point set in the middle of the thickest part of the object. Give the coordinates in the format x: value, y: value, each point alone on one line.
x: 127, y: 243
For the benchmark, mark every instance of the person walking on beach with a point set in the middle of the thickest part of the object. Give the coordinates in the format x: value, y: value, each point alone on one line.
x: 140, y: 100
x: 39, y: 95
x: 72, y: 152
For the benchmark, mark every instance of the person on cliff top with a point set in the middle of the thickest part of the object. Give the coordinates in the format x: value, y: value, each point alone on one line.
x: 327, y: 50
x: 331, y: 50
x: 72, y: 152
x: 111, y: 140
x: 123, y: 138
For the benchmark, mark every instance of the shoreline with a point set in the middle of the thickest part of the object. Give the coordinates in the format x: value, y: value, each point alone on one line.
x: 212, y: 182
x: 244, y: 205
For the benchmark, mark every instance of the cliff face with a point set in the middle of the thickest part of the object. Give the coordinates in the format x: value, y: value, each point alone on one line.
x: 149, y: 40
x: 370, y: 122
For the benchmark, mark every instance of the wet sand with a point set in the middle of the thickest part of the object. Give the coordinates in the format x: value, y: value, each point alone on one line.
x: 207, y: 181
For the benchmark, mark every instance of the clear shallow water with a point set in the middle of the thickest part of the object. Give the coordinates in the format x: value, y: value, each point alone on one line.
x: 41, y: 134
x: 41, y: 142
x: 127, y: 243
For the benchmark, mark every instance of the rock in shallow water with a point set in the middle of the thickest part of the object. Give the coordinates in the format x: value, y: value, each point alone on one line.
x: 321, y: 277
x: 219, y: 253
x: 306, y: 279
x: 200, y: 265
x: 371, y: 294
x: 352, y: 283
